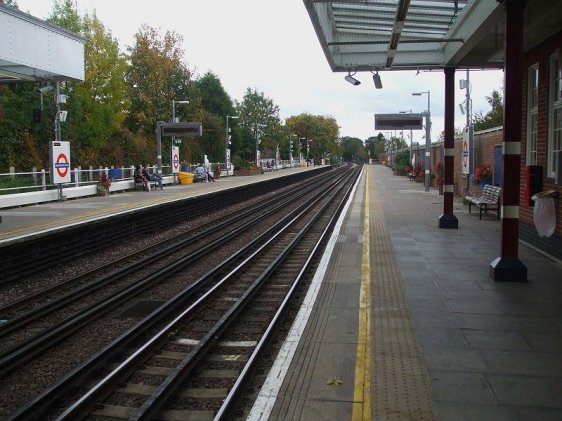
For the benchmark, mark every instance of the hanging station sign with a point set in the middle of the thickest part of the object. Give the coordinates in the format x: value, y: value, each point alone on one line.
x: 398, y: 121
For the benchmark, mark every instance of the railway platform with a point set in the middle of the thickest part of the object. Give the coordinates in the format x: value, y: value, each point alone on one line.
x: 402, y: 320
x: 28, y: 221
x: 407, y: 325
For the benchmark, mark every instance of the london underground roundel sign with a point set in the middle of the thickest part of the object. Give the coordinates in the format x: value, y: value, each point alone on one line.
x: 60, y: 162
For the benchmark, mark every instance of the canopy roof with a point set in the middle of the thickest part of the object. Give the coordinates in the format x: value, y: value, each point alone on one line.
x: 32, y: 49
x: 359, y: 35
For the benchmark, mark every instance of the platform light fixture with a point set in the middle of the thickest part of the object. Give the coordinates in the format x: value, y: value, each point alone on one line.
x: 377, y: 80
x: 427, y: 137
x: 352, y: 80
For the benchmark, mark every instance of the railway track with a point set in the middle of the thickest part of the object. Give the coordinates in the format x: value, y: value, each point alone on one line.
x: 91, y: 292
x: 216, y: 321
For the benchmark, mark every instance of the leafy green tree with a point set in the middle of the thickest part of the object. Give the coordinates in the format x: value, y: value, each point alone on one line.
x: 321, y: 135
x: 156, y: 76
x: 353, y: 149
x: 375, y: 145
x: 492, y: 118
x: 97, y: 105
x: 255, y: 110
x: 215, y: 100
x: 65, y: 14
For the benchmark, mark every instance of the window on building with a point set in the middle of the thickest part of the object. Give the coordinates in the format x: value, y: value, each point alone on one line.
x: 532, y: 114
x: 555, y: 113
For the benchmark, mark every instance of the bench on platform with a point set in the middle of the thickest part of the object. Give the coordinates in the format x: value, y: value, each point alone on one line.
x: 139, y: 183
x: 487, y: 199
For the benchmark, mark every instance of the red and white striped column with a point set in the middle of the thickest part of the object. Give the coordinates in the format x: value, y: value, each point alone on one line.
x: 508, y: 267
x: 448, y: 219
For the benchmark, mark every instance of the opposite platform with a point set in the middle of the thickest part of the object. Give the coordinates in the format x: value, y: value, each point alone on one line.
x: 29, y: 221
x: 444, y: 341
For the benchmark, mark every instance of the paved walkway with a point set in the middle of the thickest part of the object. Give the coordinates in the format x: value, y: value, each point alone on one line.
x: 493, y: 351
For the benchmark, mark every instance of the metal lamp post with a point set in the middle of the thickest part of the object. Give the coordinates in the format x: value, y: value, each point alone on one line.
x: 291, y: 148
x: 227, y: 143
x: 300, y: 149
x: 427, y: 138
x: 258, y: 143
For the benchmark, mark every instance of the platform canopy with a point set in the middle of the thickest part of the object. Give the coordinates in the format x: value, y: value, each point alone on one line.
x: 34, y: 50
x: 372, y: 35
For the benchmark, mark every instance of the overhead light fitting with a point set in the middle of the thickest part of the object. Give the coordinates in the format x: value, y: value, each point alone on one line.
x: 45, y: 89
x: 377, y: 80
x: 352, y: 80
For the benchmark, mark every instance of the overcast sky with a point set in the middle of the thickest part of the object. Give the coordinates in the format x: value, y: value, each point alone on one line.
x: 271, y: 46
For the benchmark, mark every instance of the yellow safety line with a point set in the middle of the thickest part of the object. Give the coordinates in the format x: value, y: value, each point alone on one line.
x: 362, y: 391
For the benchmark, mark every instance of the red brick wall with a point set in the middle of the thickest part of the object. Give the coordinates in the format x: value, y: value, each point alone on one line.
x: 484, y: 143
x: 541, y: 56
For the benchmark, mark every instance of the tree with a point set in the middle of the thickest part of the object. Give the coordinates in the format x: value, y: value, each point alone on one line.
x: 97, y: 105
x: 492, y: 118
x: 157, y: 75
x: 321, y: 134
x: 376, y: 145
x: 215, y: 100
x: 353, y: 149
x: 257, y: 113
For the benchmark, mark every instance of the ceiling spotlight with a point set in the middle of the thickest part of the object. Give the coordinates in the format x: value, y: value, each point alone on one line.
x: 377, y: 80
x: 352, y: 80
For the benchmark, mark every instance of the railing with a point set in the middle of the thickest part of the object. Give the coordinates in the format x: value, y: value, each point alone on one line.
x: 26, y: 188
x: 20, y: 182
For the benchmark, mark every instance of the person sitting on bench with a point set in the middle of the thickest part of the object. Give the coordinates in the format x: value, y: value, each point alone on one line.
x: 140, y: 178
x: 153, y: 177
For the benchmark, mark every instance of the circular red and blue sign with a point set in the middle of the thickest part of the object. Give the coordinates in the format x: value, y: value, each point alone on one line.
x: 62, y: 165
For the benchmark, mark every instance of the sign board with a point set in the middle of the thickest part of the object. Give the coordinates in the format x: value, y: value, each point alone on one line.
x: 60, y: 162
x: 467, y: 148
x: 181, y: 129
x: 228, y: 159
x: 398, y: 121
x: 175, y: 160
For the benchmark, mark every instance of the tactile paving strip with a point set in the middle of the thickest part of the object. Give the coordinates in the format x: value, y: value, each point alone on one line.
x: 400, y: 384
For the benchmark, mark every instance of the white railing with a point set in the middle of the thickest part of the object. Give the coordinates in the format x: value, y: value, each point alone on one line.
x: 25, y: 188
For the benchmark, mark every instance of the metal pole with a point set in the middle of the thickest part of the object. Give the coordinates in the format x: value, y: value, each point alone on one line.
x: 428, y: 144
x: 226, y: 148
x: 257, y: 146
x: 58, y: 135
x: 159, y: 145
x: 173, y: 140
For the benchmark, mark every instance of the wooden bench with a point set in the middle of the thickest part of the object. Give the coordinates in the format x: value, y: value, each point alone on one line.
x: 487, y: 199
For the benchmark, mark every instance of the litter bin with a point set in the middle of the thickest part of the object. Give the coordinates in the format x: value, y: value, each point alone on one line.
x: 185, y: 177
x: 544, y: 213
